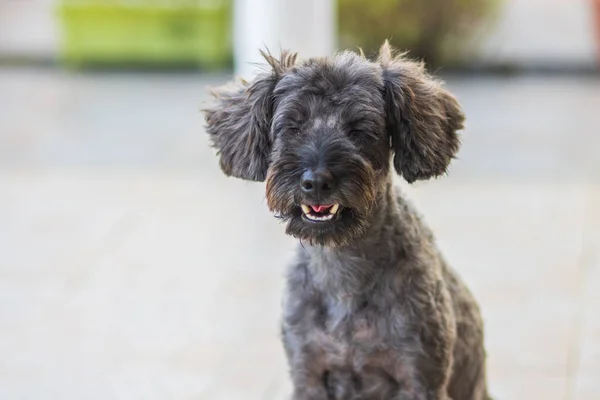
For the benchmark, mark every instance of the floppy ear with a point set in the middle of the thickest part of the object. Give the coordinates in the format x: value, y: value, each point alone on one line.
x: 422, y: 118
x: 239, y: 124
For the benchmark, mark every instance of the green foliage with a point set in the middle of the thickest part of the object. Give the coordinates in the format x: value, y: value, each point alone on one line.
x: 439, y: 31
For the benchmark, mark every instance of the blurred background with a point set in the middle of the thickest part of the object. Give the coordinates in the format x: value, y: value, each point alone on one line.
x: 131, y: 268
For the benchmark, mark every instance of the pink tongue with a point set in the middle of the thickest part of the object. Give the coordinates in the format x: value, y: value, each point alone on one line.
x: 320, y: 208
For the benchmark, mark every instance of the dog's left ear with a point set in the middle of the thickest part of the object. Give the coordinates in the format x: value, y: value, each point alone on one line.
x: 422, y: 118
x: 239, y: 124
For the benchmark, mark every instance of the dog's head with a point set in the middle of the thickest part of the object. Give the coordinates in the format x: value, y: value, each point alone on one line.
x: 322, y: 132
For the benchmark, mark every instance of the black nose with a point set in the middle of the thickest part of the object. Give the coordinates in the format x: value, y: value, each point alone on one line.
x: 317, y: 182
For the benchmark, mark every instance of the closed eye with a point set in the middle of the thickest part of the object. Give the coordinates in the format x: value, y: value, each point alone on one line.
x: 363, y: 134
x: 291, y: 129
x: 363, y: 128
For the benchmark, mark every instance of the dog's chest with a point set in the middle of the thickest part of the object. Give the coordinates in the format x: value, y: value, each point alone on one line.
x: 352, y: 337
x: 357, y: 351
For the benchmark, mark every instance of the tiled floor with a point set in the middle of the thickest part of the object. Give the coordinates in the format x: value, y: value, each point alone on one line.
x: 130, y: 268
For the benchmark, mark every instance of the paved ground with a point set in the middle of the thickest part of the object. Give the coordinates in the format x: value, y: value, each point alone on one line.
x: 130, y: 268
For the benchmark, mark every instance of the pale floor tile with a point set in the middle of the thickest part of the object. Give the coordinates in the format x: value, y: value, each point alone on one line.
x: 525, y: 384
x: 589, y: 359
x: 131, y: 268
x: 587, y: 385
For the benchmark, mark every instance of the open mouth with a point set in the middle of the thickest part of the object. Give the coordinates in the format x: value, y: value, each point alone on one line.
x: 320, y: 212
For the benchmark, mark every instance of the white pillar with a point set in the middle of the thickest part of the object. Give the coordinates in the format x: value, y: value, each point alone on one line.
x: 303, y: 26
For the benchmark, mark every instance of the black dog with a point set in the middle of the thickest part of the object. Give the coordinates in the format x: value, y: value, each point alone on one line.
x: 372, y: 311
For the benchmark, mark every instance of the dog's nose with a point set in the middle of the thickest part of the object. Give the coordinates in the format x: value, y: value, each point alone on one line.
x: 317, y: 182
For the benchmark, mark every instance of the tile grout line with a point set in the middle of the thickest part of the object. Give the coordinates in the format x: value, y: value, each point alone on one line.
x: 583, y: 267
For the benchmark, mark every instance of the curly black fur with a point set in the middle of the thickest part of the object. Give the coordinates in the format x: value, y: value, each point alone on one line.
x: 372, y: 311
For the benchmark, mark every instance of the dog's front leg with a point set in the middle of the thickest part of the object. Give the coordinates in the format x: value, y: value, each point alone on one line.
x: 425, y: 373
x: 308, y: 385
x: 408, y: 394
x: 314, y: 393
x: 307, y: 366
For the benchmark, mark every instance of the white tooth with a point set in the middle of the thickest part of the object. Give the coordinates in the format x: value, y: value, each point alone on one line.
x: 305, y: 209
x: 334, y: 209
x: 319, y: 218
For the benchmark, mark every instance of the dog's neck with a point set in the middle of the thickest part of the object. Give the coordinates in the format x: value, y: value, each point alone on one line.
x: 349, y: 273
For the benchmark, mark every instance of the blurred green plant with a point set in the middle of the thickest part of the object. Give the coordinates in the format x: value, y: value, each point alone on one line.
x: 442, y: 32
x: 146, y: 32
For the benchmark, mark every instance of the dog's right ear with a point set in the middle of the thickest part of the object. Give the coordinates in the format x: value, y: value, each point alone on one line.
x: 239, y: 124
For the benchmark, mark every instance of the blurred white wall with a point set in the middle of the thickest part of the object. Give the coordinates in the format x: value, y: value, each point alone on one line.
x: 304, y: 26
x: 28, y: 29
x: 533, y: 32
